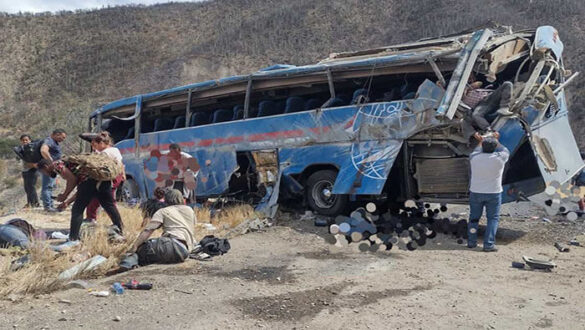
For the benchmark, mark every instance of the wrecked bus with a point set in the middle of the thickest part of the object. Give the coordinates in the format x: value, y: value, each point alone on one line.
x: 385, y: 124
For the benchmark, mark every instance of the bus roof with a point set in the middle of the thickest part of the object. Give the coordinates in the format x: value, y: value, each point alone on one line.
x: 402, y: 54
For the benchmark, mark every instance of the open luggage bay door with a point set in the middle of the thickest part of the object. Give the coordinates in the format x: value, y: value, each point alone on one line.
x: 557, y: 152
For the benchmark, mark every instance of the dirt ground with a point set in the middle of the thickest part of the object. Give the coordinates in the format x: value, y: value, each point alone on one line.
x: 288, y: 277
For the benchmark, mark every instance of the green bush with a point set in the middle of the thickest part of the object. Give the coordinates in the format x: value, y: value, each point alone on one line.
x: 6, y: 145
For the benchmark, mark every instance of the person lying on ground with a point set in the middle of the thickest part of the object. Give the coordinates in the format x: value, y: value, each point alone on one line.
x: 87, y: 189
x: 177, y: 221
x: 19, y: 233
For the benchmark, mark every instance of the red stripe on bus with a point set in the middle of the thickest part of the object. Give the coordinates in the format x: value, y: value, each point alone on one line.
x: 232, y: 139
x: 237, y: 139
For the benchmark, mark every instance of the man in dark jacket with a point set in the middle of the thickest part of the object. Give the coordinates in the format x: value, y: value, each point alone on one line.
x: 29, y: 177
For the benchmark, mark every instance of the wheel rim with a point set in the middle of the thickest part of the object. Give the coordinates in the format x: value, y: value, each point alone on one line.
x: 322, y: 194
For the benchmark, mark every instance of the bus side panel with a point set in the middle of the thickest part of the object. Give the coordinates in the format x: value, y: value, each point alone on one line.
x: 557, y: 151
x: 366, y: 167
x: 296, y: 160
x: 135, y: 168
x: 216, y: 169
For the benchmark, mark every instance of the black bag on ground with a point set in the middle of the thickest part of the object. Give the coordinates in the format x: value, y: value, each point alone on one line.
x: 213, y: 246
x: 30, y: 152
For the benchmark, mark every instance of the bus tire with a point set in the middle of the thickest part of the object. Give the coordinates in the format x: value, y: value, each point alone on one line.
x: 319, y: 197
x: 129, y: 191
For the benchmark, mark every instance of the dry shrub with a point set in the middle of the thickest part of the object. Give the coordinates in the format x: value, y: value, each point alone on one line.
x: 40, y: 275
x: 225, y: 219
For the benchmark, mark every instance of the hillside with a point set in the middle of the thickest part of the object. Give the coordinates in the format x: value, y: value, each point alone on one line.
x: 56, y: 68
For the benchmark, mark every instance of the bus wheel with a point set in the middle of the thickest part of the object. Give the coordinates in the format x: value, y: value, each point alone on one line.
x: 129, y: 191
x: 319, y: 195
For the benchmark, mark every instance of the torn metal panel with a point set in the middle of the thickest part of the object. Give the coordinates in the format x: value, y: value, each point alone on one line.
x: 428, y: 97
x: 380, y: 130
x: 504, y: 54
x: 269, y: 204
x: 366, y: 171
x: 266, y: 162
x: 460, y: 75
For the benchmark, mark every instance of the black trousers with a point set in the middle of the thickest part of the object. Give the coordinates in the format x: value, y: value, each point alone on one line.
x: 162, y: 250
x: 86, y: 191
x: 485, y: 112
x: 30, y: 180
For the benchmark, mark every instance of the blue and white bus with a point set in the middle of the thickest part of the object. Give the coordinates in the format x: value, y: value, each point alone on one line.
x: 385, y: 124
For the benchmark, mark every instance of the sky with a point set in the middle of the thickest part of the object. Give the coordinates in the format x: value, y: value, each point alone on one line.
x: 37, y: 6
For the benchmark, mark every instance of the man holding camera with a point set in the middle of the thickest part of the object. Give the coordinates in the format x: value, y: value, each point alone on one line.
x: 487, y: 164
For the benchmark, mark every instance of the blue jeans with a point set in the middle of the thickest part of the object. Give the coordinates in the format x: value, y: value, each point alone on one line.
x: 492, y: 203
x: 12, y: 236
x: 48, y: 184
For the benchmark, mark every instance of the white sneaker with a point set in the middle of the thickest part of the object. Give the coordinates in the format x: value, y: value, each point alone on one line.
x: 65, y: 246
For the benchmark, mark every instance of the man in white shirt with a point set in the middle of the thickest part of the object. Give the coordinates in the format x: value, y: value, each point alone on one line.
x: 487, y: 164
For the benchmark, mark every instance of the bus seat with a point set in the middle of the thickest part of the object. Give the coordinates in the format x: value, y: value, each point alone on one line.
x: 313, y: 103
x: 294, y: 104
x: 407, y: 91
x: 360, y: 96
x: 130, y: 134
x: 162, y: 124
x: 222, y: 115
x: 269, y: 108
x: 179, y: 122
x: 338, y: 101
x: 391, y: 95
x: 238, y: 112
x: 252, y: 112
x: 199, y: 118
x: 147, y: 127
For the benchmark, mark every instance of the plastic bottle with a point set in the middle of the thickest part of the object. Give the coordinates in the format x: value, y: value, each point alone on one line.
x: 117, y: 288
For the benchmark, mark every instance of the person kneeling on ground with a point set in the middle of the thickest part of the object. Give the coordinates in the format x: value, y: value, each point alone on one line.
x: 87, y: 189
x: 177, y: 221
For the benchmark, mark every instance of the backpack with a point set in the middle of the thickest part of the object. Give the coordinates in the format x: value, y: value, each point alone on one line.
x: 30, y: 152
x: 214, y: 246
x: 99, y: 167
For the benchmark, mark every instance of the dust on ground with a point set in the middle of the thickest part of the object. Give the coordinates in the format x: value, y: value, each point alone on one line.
x: 288, y: 277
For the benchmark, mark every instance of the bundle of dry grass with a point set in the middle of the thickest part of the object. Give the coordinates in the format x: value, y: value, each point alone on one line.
x: 40, y: 275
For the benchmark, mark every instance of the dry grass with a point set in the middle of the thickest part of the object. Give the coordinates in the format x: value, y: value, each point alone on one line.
x: 224, y: 220
x: 40, y: 276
